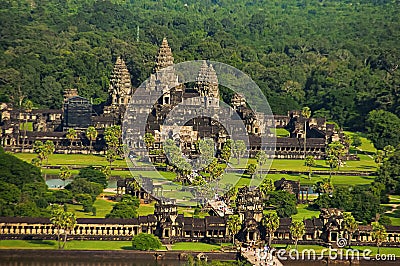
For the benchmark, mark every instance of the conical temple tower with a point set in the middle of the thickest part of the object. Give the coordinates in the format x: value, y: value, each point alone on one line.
x: 207, y: 84
x: 212, y: 82
x: 164, y: 77
x: 120, y: 84
x: 164, y: 57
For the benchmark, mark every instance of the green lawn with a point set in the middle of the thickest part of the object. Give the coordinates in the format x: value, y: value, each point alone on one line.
x: 304, y: 213
x: 338, y: 180
x: 395, y: 216
x: 365, y: 164
x: 28, y: 126
x: 366, y: 144
x: 71, y: 245
x: 146, y: 209
x: 103, y: 207
x: 280, y: 132
x: 195, y: 246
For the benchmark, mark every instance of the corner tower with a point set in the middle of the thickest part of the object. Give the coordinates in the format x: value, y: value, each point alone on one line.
x: 120, y: 85
x: 164, y: 57
x: 207, y: 85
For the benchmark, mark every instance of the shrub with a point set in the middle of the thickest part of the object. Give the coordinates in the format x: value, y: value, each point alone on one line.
x: 144, y: 241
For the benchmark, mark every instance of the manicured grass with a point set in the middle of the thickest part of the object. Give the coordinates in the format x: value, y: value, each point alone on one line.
x: 395, y: 216
x: 71, y: 245
x: 28, y: 126
x: 366, y: 144
x: 28, y: 244
x: 365, y: 164
x: 103, y: 207
x: 195, y: 246
x: 304, y: 213
x: 280, y: 132
x: 336, y: 179
x: 76, y: 159
x: 146, y: 209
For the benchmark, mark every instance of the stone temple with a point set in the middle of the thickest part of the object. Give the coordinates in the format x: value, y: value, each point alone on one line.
x: 79, y: 113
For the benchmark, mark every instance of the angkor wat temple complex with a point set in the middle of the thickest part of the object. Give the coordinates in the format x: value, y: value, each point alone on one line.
x: 172, y: 227
x: 20, y: 128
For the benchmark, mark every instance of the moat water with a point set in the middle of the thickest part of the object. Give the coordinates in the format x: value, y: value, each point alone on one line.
x: 143, y: 262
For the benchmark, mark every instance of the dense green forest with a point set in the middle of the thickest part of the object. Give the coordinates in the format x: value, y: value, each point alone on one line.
x: 340, y: 57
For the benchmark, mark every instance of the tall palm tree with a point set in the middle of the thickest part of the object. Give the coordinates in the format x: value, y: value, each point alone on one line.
x: 261, y: 158
x: 71, y: 135
x: 297, y: 231
x: 65, y: 173
x: 28, y: 105
x: 233, y: 226
x: 49, y: 149
x: 350, y: 226
x: 379, y: 234
x: 91, y: 134
x: 306, y: 113
x: 69, y: 225
x: 271, y: 224
x: 149, y: 140
x: 309, y: 162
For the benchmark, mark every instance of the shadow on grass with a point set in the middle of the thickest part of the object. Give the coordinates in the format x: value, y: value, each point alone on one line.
x: 42, y: 242
x: 127, y: 248
x: 320, y: 166
x: 363, y: 166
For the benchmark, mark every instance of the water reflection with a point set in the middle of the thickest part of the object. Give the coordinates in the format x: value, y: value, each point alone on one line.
x: 144, y: 262
x: 86, y: 262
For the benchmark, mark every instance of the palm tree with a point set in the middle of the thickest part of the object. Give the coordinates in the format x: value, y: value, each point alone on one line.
x: 49, y: 149
x: 239, y: 149
x: 306, y: 113
x: 149, y: 140
x: 71, y: 135
x: 379, y: 234
x: 28, y: 105
x: 350, y: 226
x: 309, y: 162
x: 69, y: 225
x: 57, y: 219
x: 261, y: 158
x: 271, y: 224
x: 379, y: 156
x: 111, y: 156
x: 233, y: 226
x: 267, y: 185
x: 65, y: 173
x: 332, y: 161
x: 297, y: 231
x: 323, y: 186
x: 64, y: 222
x: 251, y: 169
x: 91, y: 134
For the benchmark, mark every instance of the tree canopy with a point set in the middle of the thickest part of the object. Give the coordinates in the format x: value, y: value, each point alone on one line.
x: 321, y: 54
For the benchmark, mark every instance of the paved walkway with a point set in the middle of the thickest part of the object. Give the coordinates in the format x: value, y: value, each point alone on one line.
x: 220, y: 208
x: 258, y: 258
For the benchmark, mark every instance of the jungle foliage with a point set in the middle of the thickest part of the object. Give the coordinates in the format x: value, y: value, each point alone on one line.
x: 340, y: 58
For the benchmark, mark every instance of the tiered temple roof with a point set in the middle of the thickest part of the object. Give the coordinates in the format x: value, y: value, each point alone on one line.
x: 164, y: 57
x: 120, y: 84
